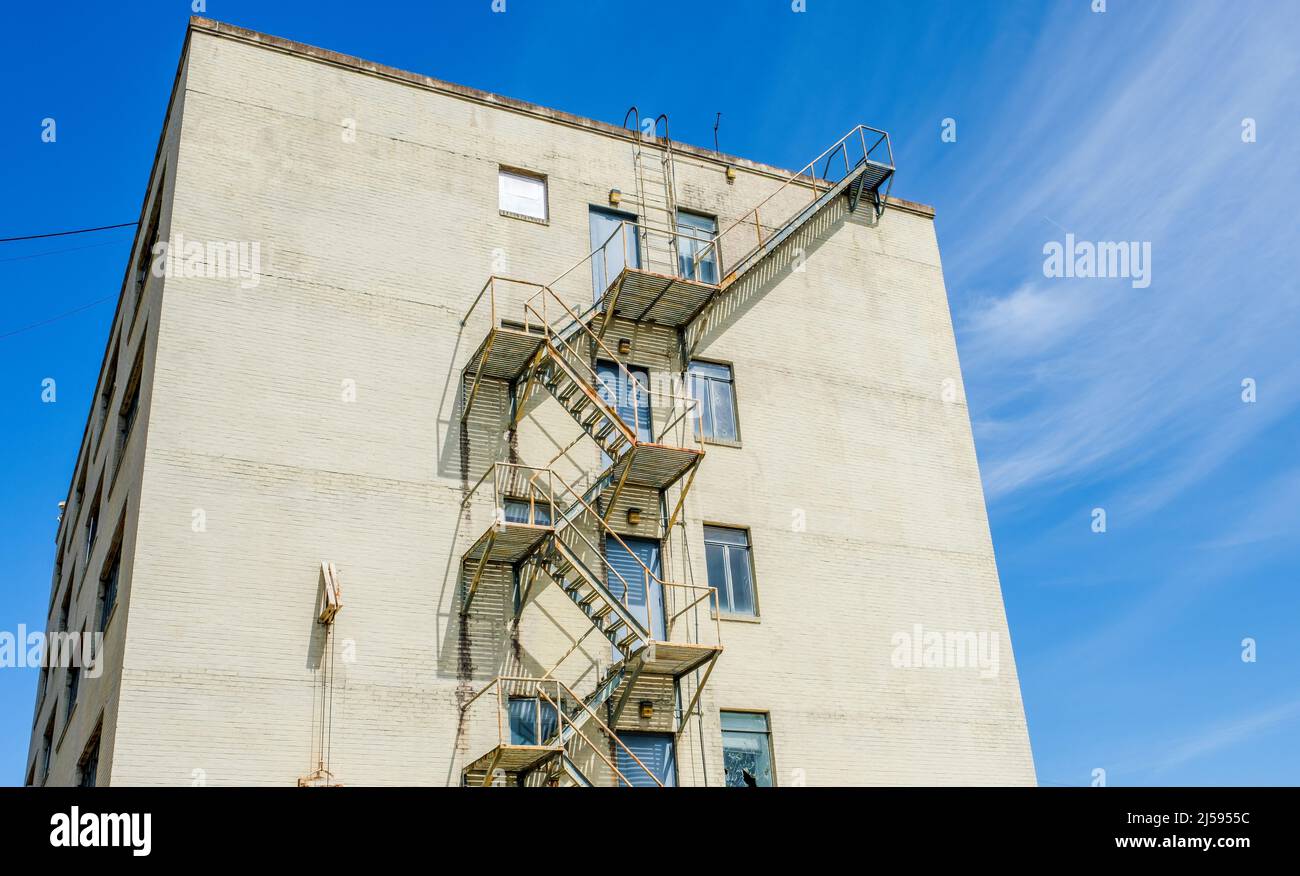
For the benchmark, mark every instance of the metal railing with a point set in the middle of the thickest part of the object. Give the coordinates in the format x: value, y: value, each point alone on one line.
x: 568, y: 509
x: 564, y: 330
x: 552, y: 700
x: 521, y: 483
x: 852, y: 147
x: 862, y: 144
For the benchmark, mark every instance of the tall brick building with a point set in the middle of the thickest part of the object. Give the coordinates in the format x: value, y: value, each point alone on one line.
x: 446, y: 439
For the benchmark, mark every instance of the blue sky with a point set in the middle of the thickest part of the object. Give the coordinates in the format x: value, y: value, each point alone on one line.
x: 1124, y: 125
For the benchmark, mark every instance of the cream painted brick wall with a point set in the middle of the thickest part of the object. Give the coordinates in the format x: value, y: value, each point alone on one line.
x: 371, y: 253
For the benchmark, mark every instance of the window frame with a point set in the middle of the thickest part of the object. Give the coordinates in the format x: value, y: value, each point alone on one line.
x: 92, y: 746
x: 144, y: 258
x: 534, y: 510
x: 677, y: 227
x: 47, y: 754
x: 107, y: 596
x: 505, y: 170
x: 65, y: 607
x: 106, y: 397
x: 771, y: 747
x: 542, y: 716
x: 735, y: 400
x: 72, y: 687
x: 128, y: 414
x: 716, y: 605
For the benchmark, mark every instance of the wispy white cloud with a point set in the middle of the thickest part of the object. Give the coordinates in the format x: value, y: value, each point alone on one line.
x: 1215, y: 737
x: 1077, y: 381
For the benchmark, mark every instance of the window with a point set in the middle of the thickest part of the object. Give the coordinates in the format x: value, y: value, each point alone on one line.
x: 726, y: 554
x: 88, y: 767
x: 615, y: 245
x: 747, y: 750
x: 106, y: 400
x: 79, y: 496
x: 518, y: 511
x: 655, y: 750
x: 108, y: 588
x: 73, y: 685
x: 525, y: 729
x: 711, y: 385
x: 130, y: 408
x: 695, y: 232
x: 144, y: 258
x: 92, y: 526
x: 522, y: 194
x: 65, y: 611
x: 47, y: 748
x: 58, y: 580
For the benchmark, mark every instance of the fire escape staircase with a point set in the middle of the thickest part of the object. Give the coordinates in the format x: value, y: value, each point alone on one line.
x: 555, y: 355
x: 551, y: 544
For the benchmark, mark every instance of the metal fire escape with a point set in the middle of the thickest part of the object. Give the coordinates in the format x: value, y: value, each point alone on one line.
x: 545, y: 530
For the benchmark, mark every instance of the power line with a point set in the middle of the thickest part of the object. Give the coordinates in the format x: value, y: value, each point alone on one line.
x: 49, y: 252
x: 44, y: 322
x: 65, y: 233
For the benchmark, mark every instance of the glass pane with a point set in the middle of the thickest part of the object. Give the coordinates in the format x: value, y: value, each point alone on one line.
x: 742, y: 589
x: 697, y: 231
x: 518, y: 511
x: 700, y: 391
x: 523, y: 721
x: 715, y: 556
x: 711, y: 369
x: 724, y: 411
x: 753, y: 722
x: 626, y: 391
x: 747, y: 759
x: 655, y: 751
x: 613, y: 246
x: 726, y: 535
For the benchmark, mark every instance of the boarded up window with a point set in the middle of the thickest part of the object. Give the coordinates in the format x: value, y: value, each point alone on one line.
x: 522, y: 194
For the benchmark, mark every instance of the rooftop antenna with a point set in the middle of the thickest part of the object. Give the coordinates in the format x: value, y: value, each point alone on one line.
x: 715, y: 132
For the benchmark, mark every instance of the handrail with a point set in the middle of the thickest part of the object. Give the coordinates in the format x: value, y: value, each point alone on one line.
x: 564, y: 338
x: 711, y: 248
x: 604, y: 525
x: 560, y: 522
x: 807, y: 176
x: 625, y: 612
x: 562, y: 519
x: 489, y: 288
x: 592, y: 393
x: 648, y: 575
x: 535, y: 689
x: 608, y: 732
x: 501, y: 491
x: 642, y: 225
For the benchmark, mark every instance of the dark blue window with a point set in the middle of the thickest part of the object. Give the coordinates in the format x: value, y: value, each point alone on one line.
x: 656, y: 751
x: 524, y: 726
